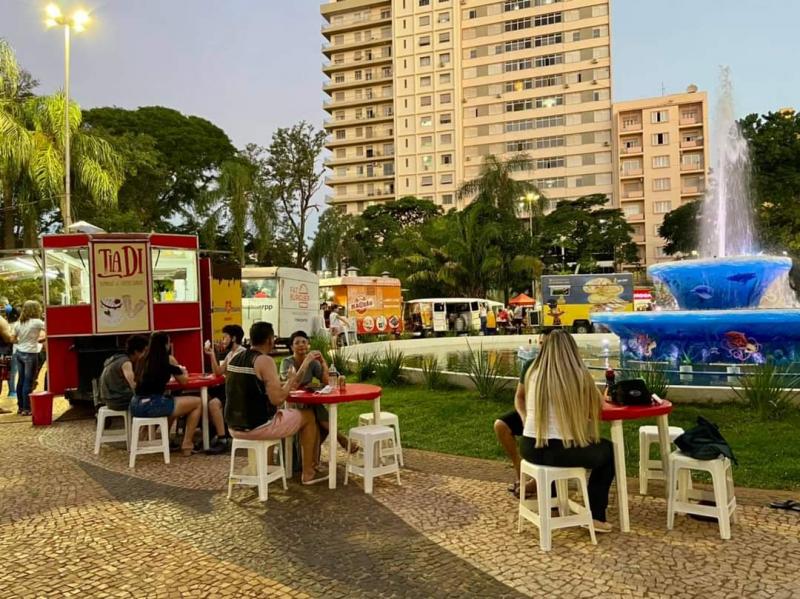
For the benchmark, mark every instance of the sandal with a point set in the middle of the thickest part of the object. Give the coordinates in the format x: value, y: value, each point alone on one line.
x: 789, y: 504
x: 314, y: 481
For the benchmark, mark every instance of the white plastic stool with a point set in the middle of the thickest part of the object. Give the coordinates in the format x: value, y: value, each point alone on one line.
x: 265, y: 472
x: 369, y: 437
x: 387, y: 419
x: 570, y: 513
x: 102, y: 436
x: 651, y: 469
x: 138, y: 447
x: 724, y: 510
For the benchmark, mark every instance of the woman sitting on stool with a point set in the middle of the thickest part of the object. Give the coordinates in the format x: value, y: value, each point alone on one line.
x: 560, y: 406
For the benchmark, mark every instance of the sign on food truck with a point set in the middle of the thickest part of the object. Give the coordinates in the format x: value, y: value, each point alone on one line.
x: 376, y: 308
x: 121, y: 277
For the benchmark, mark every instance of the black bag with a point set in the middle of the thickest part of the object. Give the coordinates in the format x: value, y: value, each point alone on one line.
x: 632, y: 392
x: 705, y: 442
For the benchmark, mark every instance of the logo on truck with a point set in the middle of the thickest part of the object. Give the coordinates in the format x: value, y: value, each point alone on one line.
x: 362, y: 303
x: 300, y: 295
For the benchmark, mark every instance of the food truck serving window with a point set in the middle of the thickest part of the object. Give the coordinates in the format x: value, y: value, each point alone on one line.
x: 67, y: 273
x: 174, y: 275
x: 259, y: 288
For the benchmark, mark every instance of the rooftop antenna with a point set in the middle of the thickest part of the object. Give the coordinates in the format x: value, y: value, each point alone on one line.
x: 663, y: 89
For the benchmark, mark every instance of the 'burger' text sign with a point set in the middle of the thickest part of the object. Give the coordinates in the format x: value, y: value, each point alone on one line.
x: 121, y: 286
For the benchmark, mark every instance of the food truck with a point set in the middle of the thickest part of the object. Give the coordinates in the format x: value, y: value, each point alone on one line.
x: 373, y: 302
x: 568, y: 301
x: 448, y: 314
x: 285, y: 297
x: 220, y: 296
x: 101, y: 288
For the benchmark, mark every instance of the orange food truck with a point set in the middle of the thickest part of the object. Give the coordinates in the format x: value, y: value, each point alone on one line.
x: 375, y: 303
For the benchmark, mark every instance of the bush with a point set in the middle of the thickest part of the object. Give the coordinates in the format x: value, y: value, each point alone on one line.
x: 341, y: 360
x: 432, y: 374
x: 768, y: 390
x: 365, y: 366
x: 323, y: 345
x: 655, y: 377
x: 485, y: 373
x: 389, y: 367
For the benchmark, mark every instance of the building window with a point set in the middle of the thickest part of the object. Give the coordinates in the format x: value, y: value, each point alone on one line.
x: 518, y: 105
x: 522, y: 145
x: 424, y: 2
x: 426, y: 141
x: 444, y: 59
x: 510, y: 5
x: 427, y: 161
x: 445, y: 98
x: 632, y: 210
x: 424, y: 20
x: 425, y: 101
x: 447, y: 199
x: 426, y: 121
x: 662, y: 207
x: 444, y: 78
x: 660, y: 161
x: 554, y: 162
x: 472, y: 14
x: 547, y: 40
x: 425, y: 81
x: 445, y: 118
x: 341, y: 133
x: 549, y: 60
x: 444, y: 37
x: 661, y: 184
x: 659, y: 116
x: 513, y: 46
x: 427, y: 180
x: 549, y: 101
x: 425, y: 40
x: 659, y: 252
x: 547, y: 19
x: 517, y: 65
x: 517, y: 24
x: 447, y: 159
x: 446, y: 138
x: 444, y: 17
x: 424, y: 61
x: 660, y: 139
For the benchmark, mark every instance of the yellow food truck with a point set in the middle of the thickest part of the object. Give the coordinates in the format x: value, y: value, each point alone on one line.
x: 570, y: 300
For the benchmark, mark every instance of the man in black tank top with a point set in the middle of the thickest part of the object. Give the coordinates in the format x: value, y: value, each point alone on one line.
x: 254, y: 396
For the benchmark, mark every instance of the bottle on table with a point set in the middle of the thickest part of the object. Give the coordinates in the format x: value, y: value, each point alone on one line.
x: 333, y: 377
x: 611, y: 384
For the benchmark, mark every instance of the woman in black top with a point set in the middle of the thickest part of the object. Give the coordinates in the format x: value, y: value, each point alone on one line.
x: 153, y: 372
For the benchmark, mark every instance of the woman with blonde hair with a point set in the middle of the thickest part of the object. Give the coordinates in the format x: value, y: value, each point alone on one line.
x: 27, y: 332
x: 560, y: 406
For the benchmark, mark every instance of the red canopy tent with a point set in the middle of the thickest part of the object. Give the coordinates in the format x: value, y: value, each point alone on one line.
x: 522, y: 300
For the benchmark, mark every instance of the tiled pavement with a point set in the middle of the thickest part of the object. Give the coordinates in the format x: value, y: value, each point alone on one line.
x: 72, y: 524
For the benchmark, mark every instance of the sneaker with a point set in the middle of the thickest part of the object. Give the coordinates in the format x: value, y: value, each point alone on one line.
x: 218, y: 446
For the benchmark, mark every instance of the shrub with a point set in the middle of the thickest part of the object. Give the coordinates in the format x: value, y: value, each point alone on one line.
x: 322, y: 345
x: 389, y: 367
x: 768, y: 390
x: 432, y: 374
x: 365, y: 366
x: 485, y: 373
x: 341, y: 360
x: 655, y: 377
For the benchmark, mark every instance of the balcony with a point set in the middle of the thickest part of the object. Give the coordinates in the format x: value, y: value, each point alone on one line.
x: 631, y: 127
x: 330, y: 28
x: 634, y: 218
x: 330, y: 67
x: 631, y: 172
x: 371, y: 40
x: 690, y: 122
x: 377, y: 156
x: 334, y: 124
x: 346, y: 103
x: 380, y: 136
x: 692, y: 190
x: 336, y: 180
x: 332, y: 86
x: 687, y: 168
x: 632, y: 150
x: 382, y: 195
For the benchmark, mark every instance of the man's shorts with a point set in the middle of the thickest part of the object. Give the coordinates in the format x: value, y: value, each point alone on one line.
x: 284, y: 424
x: 514, y: 422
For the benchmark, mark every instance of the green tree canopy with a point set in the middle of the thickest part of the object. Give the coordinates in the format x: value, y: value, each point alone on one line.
x: 680, y: 229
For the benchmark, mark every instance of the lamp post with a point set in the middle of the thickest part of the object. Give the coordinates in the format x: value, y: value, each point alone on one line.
x: 76, y: 22
x: 530, y: 198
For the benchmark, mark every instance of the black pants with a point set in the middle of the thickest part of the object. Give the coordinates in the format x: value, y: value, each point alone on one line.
x: 599, y: 457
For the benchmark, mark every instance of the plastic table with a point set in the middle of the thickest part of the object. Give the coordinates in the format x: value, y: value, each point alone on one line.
x: 199, y: 381
x: 616, y: 415
x: 352, y: 392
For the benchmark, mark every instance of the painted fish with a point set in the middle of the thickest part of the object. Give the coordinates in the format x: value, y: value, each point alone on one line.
x: 704, y: 292
x: 742, y: 277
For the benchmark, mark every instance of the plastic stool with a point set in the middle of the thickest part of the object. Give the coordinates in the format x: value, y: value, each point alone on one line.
x: 369, y: 437
x: 651, y: 469
x: 264, y: 474
x: 570, y: 512
x: 101, y: 436
x: 153, y: 445
x: 387, y: 419
x: 724, y: 510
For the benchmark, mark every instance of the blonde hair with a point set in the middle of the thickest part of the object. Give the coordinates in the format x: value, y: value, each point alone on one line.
x: 559, y: 380
x: 30, y: 309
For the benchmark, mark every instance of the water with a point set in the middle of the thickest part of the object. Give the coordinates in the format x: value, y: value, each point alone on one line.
x: 726, y: 227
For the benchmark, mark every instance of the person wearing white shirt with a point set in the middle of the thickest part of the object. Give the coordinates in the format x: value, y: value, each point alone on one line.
x: 338, y: 325
x: 560, y: 407
x: 27, y: 332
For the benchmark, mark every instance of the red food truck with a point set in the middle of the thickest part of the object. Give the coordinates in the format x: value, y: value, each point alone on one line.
x: 100, y: 288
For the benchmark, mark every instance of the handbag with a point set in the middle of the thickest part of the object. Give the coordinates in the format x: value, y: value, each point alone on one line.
x: 705, y: 442
x: 632, y: 392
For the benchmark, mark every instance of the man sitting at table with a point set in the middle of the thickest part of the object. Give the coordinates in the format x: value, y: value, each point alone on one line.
x: 254, y: 394
x: 318, y: 369
x: 117, y: 380
x: 232, y: 336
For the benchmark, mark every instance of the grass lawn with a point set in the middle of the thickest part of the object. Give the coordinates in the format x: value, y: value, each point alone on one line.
x: 457, y: 422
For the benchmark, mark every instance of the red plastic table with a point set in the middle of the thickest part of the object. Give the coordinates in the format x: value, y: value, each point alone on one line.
x: 616, y: 415
x: 198, y: 380
x: 352, y: 392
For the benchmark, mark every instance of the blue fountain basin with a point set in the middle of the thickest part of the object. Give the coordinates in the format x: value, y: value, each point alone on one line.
x: 728, y: 336
x: 720, y: 283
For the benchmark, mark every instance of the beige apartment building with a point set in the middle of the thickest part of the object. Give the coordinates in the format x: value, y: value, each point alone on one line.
x: 420, y: 90
x: 661, y: 156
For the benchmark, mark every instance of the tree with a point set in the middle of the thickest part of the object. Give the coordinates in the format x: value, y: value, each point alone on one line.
x: 774, y: 140
x: 293, y: 170
x: 680, y: 229
x: 335, y: 245
x: 32, y: 153
x: 190, y: 153
x: 496, y: 185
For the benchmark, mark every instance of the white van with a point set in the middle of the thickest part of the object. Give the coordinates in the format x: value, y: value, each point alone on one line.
x: 443, y: 314
x: 286, y: 297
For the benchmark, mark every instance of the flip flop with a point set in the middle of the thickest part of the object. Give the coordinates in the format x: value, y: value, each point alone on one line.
x: 314, y: 481
x: 354, y: 448
x: 789, y: 504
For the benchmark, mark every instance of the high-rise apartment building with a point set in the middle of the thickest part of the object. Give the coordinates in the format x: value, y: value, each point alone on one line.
x: 661, y: 157
x: 421, y: 90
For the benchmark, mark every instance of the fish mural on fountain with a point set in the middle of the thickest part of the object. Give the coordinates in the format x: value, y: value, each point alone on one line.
x: 718, y: 319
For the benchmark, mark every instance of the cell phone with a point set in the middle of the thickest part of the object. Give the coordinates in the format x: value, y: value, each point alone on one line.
x: 208, y: 344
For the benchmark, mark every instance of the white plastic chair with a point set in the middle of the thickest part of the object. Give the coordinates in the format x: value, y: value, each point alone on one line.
x: 367, y: 463
x: 114, y: 436
x: 265, y: 473
x: 152, y: 445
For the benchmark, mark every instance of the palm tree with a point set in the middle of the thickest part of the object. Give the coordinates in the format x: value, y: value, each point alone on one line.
x: 335, y: 242
x: 496, y: 185
x: 32, y: 153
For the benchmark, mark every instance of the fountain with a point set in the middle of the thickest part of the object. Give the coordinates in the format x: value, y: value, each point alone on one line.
x: 718, y: 319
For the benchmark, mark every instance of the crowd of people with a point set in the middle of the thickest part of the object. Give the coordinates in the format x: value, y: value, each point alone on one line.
x: 22, y: 355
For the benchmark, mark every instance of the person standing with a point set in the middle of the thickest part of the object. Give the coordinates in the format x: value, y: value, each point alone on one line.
x: 339, y: 325
x: 11, y: 314
x: 27, y: 333
x: 518, y: 314
x: 491, y: 322
x: 502, y: 320
x: 482, y: 317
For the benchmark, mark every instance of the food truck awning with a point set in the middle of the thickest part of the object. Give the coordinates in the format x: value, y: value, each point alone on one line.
x: 522, y: 300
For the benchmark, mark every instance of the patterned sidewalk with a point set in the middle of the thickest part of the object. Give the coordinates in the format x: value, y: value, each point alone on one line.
x: 75, y: 524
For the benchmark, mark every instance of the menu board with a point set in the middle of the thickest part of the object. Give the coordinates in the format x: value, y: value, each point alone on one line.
x: 121, y: 286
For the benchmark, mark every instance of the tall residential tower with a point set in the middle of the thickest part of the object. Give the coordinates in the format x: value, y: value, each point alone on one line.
x: 421, y: 90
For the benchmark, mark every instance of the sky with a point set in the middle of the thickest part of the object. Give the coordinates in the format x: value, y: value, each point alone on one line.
x: 251, y: 66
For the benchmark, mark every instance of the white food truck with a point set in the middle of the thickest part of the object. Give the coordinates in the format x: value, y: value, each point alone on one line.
x: 286, y: 297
